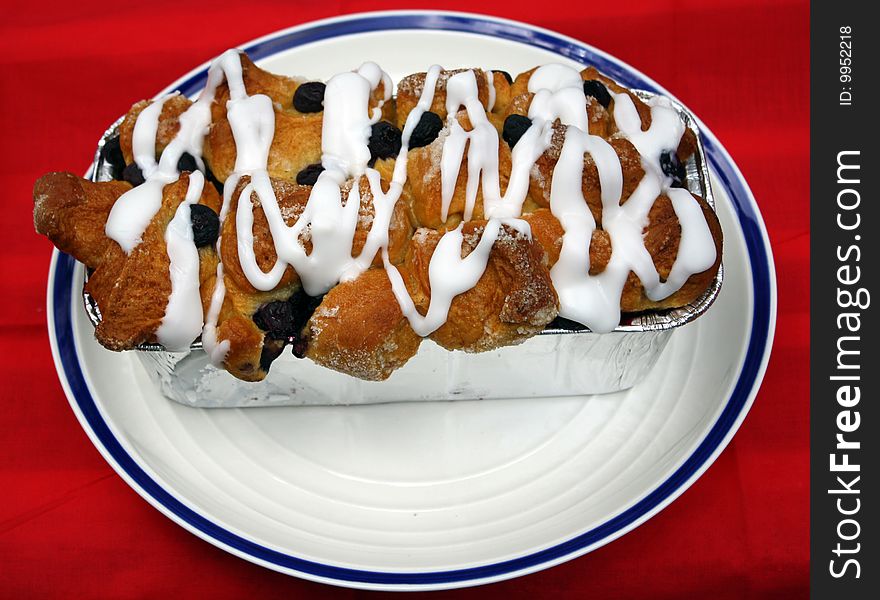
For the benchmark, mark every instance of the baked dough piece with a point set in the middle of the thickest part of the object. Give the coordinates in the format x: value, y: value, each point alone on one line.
x: 512, y: 301
x: 424, y: 181
x: 360, y: 330
x: 71, y: 211
x: 131, y: 290
x: 662, y: 237
x: 297, y: 140
x: 169, y: 124
x: 251, y: 348
x: 410, y: 89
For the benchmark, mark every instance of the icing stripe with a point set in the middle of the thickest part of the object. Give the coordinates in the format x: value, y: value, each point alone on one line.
x: 183, y: 320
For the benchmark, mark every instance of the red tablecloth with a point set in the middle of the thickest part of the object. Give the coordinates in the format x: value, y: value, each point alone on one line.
x: 70, y: 527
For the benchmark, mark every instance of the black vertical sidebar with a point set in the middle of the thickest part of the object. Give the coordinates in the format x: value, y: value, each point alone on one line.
x: 844, y: 223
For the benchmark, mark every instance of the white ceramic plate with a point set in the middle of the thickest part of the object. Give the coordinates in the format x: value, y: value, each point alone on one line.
x: 446, y: 494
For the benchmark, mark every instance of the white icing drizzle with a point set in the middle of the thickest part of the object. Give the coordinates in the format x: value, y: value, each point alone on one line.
x: 183, y: 320
x: 594, y: 300
x: 252, y: 121
x: 558, y: 95
x: 143, y: 140
x: 554, y: 77
x: 346, y: 125
x: 446, y: 262
x: 375, y: 75
x: 449, y: 275
x: 133, y: 210
x: 384, y: 202
x: 330, y: 223
x: 490, y: 82
x: 216, y: 351
x: 482, y: 154
x: 696, y: 250
x: 664, y: 133
x: 481, y: 140
x: 132, y: 213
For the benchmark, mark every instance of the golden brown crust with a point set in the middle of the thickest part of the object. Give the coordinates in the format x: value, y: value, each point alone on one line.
x: 169, y: 124
x: 360, y: 330
x: 295, y: 145
x: 245, y: 346
x: 71, y: 211
x: 410, y: 89
x: 513, y: 300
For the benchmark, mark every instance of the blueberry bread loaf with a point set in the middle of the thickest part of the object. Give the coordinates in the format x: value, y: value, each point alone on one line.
x: 350, y: 223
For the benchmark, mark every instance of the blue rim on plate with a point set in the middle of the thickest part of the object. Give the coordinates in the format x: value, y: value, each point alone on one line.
x: 760, y: 337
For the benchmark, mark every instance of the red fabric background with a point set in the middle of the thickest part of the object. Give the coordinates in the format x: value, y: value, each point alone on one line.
x: 70, y: 527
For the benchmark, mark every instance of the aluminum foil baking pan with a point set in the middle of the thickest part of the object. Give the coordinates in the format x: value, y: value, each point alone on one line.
x: 565, y: 359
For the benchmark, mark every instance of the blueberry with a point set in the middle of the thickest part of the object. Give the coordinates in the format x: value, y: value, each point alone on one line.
x: 276, y: 319
x: 384, y: 141
x: 205, y: 225
x: 309, y: 174
x: 598, y: 91
x: 299, y: 347
x: 673, y: 168
x: 514, y: 128
x: 283, y: 322
x: 187, y: 162
x: 133, y: 174
x: 272, y: 349
x: 426, y: 130
x: 506, y: 75
x: 111, y: 152
x: 284, y: 319
x: 309, y: 97
x: 303, y: 306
